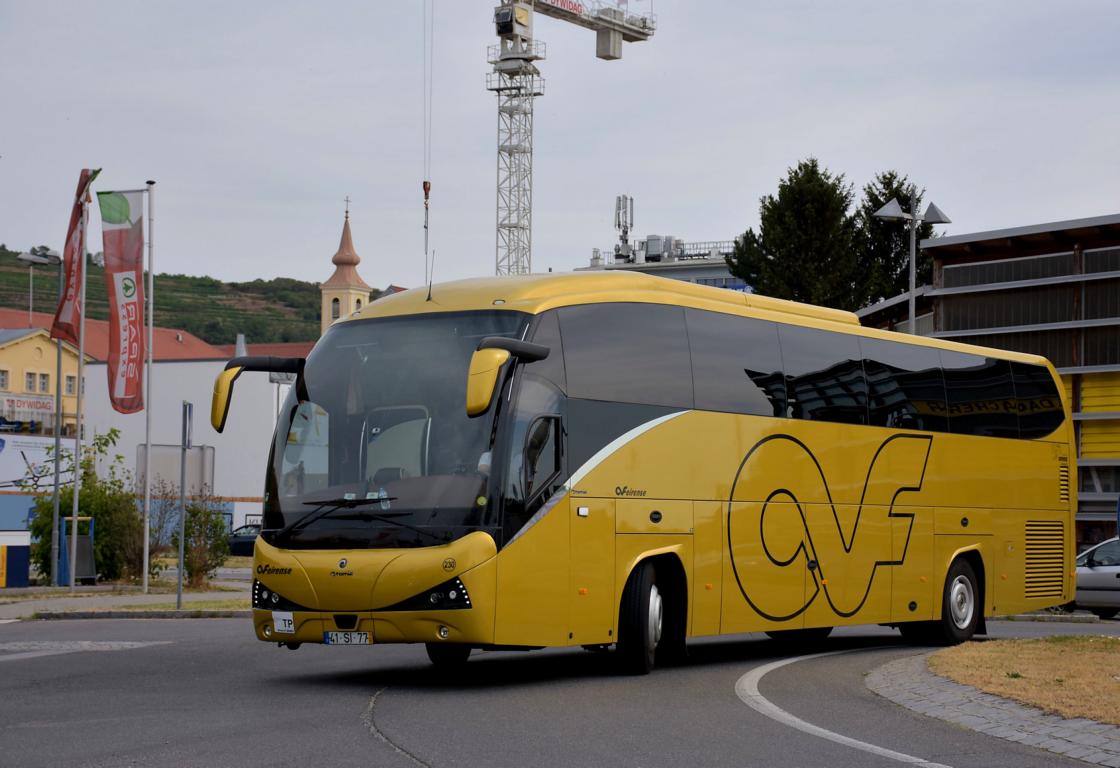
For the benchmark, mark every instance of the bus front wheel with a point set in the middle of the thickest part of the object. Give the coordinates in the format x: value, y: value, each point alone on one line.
x: 640, y: 621
x: 448, y: 655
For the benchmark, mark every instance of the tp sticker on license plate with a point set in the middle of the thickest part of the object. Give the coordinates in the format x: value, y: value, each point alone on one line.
x: 283, y: 622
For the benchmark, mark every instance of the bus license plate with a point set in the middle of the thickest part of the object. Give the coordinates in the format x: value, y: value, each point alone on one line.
x: 346, y: 638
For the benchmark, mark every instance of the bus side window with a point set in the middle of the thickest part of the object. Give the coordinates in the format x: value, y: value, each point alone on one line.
x: 542, y: 455
x: 905, y: 385
x: 736, y: 364
x: 981, y: 395
x: 824, y: 375
x: 1040, y: 405
x: 547, y: 332
x: 627, y: 353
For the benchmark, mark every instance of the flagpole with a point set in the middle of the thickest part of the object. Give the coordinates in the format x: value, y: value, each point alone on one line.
x: 81, y: 383
x: 148, y: 385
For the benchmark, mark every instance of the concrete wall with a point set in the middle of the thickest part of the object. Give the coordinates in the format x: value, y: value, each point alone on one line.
x: 240, y: 452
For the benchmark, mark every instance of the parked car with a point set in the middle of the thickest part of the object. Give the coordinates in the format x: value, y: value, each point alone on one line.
x: 242, y: 540
x: 1098, y: 579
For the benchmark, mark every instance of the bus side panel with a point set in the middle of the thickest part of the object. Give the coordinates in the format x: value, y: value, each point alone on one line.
x: 764, y: 583
x: 1032, y: 568
x: 912, y: 589
x: 852, y: 580
x: 592, y: 591
x: 533, y: 584
x: 707, y: 582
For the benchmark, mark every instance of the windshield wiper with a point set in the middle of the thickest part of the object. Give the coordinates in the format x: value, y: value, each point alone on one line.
x: 327, y: 506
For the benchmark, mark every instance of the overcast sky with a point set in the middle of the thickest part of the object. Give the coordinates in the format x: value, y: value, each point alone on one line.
x: 257, y: 119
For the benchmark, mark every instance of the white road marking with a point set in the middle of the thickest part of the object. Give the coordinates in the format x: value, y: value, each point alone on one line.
x: 32, y: 649
x: 746, y: 688
x: 8, y: 621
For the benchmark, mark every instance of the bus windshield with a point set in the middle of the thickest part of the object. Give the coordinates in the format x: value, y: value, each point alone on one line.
x: 381, y: 452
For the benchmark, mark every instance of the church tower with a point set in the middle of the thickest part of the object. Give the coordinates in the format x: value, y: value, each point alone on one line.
x: 345, y: 292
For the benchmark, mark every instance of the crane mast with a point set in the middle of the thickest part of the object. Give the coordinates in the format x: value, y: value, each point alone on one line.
x: 517, y: 81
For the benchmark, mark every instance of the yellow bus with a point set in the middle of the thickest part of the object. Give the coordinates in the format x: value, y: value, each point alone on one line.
x: 612, y: 459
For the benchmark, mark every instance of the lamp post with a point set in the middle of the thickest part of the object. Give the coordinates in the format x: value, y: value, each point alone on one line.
x: 31, y: 259
x: 892, y: 211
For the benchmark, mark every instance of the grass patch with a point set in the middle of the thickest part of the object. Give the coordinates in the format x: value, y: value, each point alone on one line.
x: 1072, y: 676
x: 238, y: 562
x: 193, y: 605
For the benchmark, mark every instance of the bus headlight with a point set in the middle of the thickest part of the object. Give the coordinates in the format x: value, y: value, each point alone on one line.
x: 269, y: 599
x: 450, y: 595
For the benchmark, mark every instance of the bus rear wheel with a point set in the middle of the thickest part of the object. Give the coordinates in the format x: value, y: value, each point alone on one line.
x: 448, y: 655
x: 641, y: 619
x: 961, y: 610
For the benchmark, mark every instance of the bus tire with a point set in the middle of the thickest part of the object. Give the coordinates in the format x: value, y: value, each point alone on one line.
x: 961, y: 605
x: 448, y: 655
x: 640, y: 621
x: 800, y: 638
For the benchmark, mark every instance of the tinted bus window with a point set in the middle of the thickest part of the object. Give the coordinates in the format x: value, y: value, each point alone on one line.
x: 824, y: 375
x: 547, y: 332
x: 905, y: 386
x: 627, y: 353
x: 736, y: 364
x: 981, y: 395
x: 1040, y: 405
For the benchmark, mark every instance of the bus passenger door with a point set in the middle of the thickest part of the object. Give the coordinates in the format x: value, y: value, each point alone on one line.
x: 591, y: 581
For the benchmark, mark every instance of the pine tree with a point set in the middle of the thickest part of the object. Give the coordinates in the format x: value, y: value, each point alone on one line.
x: 885, y: 245
x: 806, y: 247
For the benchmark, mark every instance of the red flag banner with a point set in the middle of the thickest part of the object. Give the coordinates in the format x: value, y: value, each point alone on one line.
x: 69, y: 312
x: 122, y: 230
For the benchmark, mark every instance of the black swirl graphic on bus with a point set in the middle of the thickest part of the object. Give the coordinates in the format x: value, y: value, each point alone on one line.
x: 821, y: 543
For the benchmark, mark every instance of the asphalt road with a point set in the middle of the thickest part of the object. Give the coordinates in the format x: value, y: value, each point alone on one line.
x: 206, y: 693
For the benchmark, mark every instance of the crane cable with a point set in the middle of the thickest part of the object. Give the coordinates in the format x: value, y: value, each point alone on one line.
x: 428, y: 34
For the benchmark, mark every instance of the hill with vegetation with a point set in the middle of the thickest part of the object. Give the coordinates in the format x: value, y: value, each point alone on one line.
x: 274, y: 310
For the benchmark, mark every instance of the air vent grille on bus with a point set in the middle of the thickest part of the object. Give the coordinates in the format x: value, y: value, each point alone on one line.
x: 1063, y: 481
x: 1045, y: 556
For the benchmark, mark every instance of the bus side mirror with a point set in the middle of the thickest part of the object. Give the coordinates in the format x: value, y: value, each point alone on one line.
x: 482, y: 378
x: 223, y: 391
x: 223, y: 385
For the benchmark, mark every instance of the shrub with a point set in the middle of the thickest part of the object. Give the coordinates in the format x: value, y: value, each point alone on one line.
x: 118, y: 546
x: 207, y: 540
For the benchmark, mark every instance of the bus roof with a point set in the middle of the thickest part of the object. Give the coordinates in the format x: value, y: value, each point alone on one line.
x: 537, y: 293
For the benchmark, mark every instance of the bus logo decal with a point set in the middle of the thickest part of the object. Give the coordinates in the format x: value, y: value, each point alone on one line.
x: 781, y: 568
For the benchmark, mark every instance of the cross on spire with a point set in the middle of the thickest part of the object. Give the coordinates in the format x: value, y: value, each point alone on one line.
x: 347, y: 199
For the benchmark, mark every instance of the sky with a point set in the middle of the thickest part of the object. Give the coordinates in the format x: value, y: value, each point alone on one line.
x: 257, y: 119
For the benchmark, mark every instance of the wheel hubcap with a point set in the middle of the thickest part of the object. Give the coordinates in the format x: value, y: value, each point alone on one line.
x: 655, y: 614
x: 961, y: 602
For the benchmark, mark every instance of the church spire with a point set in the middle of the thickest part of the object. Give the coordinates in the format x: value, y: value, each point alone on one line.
x: 345, y: 292
x: 346, y: 260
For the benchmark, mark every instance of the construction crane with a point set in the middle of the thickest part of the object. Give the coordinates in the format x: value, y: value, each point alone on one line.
x: 517, y: 81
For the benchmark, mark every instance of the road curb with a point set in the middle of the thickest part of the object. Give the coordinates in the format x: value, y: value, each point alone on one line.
x: 186, y: 613
x: 909, y: 683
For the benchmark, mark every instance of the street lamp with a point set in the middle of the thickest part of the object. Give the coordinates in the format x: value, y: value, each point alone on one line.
x: 31, y: 259
x: 892, y: 211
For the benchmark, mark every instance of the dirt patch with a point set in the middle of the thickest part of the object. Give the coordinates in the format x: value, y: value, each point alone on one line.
x: 1068, y: 676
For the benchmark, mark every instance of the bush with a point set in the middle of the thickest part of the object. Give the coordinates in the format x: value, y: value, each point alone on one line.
x: 118, y: 546
x: 207, y: 540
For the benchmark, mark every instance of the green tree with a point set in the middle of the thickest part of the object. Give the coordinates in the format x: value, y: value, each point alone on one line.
x: 885, y: 245
x: 807, y: 241
x: 118, y: 542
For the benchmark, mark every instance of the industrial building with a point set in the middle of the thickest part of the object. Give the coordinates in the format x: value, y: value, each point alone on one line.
x: 1047, y: 289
